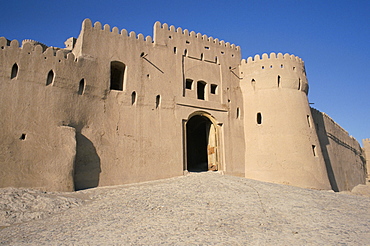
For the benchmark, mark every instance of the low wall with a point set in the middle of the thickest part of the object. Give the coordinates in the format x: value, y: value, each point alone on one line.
x: 344, y: 158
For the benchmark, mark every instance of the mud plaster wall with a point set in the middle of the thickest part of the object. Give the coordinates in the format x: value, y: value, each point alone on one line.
x: 344, y: 159
x: 117, y: 140
x: 366, y: 148
x: 279, y: 134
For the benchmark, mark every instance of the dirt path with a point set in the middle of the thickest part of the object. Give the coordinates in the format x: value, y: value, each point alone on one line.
x: 202, y: 208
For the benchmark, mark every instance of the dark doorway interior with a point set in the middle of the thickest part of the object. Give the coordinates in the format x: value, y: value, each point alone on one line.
x: 197, y: 133
x: 87, y: 164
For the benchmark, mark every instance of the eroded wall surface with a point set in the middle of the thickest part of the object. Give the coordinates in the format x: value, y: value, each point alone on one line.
x: 343, y: 155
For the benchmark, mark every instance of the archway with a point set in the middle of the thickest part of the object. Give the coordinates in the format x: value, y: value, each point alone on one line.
x: 201, y: 143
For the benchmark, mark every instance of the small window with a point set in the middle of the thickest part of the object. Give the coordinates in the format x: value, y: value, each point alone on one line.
x: 50, y: 78
x: 237, y: 112
x: 174, y: 50
x: 23, y: 136
x: 14, y: 72
x: 133, y: 98
x: 185, y: 52
x: 189, y: 84
x: 201, y: 56
x: 278, y: 81
x: 309, y: 121
x: 187, y: 42
x: 263, y: 67
x: 117, y: 72
x: 206, y: 47
x: 314, y: 150
x: 281, y: 66
x: 157, y: 101
x: 81, y: 87
x: 259, y: 118
x: 213, y: 89
x: 299, y: 84
x: 201, y: 85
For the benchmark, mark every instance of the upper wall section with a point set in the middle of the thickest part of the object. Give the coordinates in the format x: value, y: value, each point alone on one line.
x: 274, y: 71
x: 194, y: 44
x: 97, y: 38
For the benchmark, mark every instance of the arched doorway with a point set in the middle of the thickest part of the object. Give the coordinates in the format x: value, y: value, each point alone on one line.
x: 201, y: 143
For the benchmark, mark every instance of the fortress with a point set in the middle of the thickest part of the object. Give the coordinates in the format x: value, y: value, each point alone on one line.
x: 114, y: 108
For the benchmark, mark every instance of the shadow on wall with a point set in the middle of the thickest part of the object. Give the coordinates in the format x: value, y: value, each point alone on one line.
x: 87, y: 164
x: 324, y: 143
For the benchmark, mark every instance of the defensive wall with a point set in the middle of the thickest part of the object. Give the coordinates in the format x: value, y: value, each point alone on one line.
x: 114, y: 107
x: 366, y: 148
x: 344, y: 158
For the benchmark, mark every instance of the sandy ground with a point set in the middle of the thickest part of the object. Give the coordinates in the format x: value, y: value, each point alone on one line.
x: 197, y: 209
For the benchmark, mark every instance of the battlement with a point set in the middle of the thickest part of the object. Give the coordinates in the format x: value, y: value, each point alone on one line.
x: 273, y: 57
x: 178, y: 33
x: 33, y: 42
x: 337, y: 126
x: 35, y: 48
x: 87, y: 26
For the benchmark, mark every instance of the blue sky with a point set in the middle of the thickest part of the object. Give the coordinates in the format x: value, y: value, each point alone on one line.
x: 332, y: 37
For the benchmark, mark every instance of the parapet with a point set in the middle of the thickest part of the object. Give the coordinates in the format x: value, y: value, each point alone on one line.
x: 87, y: 25
x: 171, y: 32
x: 275, y: 71
x: 34, y: 43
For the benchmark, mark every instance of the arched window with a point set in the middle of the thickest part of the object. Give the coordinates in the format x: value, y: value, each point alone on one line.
x: 50, y: 78
x: 133, y: 98
x: 81, y: 87
x: 14, y: 72
x: 117, y: 73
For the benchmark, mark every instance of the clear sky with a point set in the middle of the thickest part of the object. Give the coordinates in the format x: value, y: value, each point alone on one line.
x: 332, y: 37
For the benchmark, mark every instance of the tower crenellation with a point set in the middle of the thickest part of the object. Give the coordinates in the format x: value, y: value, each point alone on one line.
x: 276, y: 70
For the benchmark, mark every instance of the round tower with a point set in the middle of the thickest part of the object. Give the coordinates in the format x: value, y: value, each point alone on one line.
x: 281, y: 141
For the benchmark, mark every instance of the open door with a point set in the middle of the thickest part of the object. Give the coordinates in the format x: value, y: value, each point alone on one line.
x: 201, y: 144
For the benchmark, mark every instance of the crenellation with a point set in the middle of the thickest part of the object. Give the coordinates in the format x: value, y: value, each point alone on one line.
x: 14, y: 44
x: 124, y: 33
x: 98, y: 25
x: 115, y: 30
x: 107, y: 28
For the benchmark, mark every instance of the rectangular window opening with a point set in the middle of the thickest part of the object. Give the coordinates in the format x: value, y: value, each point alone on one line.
x: 201, y: 85
x: 213, y: 89
x: 189, y: 84
x: 314, y: 150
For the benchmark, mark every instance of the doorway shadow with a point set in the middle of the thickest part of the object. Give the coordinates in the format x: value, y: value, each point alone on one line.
x: 197, y: 133
x: 87, y: 164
